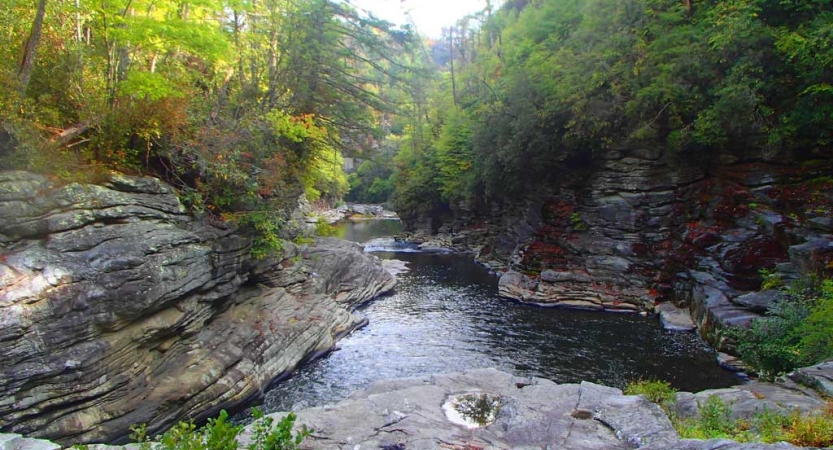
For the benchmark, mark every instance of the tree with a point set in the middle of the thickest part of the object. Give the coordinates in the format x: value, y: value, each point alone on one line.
x: 31, y: 47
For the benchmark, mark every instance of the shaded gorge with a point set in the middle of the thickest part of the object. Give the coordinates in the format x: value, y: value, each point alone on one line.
x: 446, y: 316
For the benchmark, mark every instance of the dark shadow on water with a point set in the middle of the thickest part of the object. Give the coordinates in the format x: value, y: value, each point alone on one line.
x: 446, y: 316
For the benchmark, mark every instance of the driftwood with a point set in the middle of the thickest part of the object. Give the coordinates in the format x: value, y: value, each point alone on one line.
x: 66, y: 136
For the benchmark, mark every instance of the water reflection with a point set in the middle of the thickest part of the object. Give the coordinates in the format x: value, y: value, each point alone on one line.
x: 446, y: 316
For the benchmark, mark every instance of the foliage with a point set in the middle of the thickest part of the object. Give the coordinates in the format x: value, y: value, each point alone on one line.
x: 220, y: 434
x: 770, y: 279
x: 577, y: 223
x: 795, y: 334
x: 243, y: 106
x: 542, y: 88
x: 270, y: 436
x: 657, y: 391
x: 715, y: 420
x: 266, y: 226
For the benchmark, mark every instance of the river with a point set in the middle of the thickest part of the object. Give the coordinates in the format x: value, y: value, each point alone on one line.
x: 446, y: 316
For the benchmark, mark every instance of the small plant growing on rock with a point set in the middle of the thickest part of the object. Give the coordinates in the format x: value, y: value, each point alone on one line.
x: 770, y: 279
x: 659, y: 392
x: 577, y: 223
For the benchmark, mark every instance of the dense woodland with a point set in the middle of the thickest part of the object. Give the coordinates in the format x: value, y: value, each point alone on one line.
x: 241, y: 105
x: 538, y: 87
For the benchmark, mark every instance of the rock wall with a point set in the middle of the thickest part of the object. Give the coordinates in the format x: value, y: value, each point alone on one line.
x: 637, y: 229
x: 118, y: 308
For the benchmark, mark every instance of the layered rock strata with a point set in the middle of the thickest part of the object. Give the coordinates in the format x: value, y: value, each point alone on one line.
x: 637, y: 229
x: 118, y: 308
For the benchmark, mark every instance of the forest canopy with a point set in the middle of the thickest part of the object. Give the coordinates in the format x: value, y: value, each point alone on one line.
x: 242, y: 105
x: 541, y: 86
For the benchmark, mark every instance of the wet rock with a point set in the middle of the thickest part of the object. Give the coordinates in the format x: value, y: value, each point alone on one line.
x: 517, y: 286
x: 730, y: 362
x: 674, y: 318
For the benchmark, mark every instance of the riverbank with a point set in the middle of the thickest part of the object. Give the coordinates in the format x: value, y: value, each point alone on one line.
x: 417, y: 413
x: 117, y: 307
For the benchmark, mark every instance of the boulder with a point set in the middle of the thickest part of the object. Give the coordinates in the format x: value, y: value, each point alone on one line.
x: 759, y: 302
x: 752, y: 398
x: 516, y: 286
x: 818, y: 377
x: 674, y: 318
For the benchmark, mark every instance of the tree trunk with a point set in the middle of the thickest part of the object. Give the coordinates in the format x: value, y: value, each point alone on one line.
x: 451, y: 62
x: 31, y: 47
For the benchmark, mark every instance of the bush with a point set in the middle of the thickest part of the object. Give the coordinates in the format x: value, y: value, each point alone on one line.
x: 278, y: 437
x: 220, y: 434
x: 659, y: 392
x: 798, y: 332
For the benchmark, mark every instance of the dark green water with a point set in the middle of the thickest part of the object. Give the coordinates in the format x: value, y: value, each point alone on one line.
x: 446, y: 316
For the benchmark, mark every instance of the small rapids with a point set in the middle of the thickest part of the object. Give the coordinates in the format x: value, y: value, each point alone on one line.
x: 389, y: 245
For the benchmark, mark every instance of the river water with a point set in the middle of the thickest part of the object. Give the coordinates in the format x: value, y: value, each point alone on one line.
x: 446, y: 316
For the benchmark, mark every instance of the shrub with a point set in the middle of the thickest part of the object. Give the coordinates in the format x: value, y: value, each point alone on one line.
x: 796, y: 333
x: 278, y: 437
x: 770, y: 279
x: 659, y: 392
x: 810, y: 431
x: 220, y: 434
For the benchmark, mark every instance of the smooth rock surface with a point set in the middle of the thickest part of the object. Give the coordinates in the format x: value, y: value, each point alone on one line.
x: 534, y: 413
x: 818, y: 377
x: 674, y: 318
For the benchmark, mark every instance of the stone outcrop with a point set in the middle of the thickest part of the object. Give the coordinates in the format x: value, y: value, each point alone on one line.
x: 636, y: 229
x: 118, y: 308
x: 532, y: 413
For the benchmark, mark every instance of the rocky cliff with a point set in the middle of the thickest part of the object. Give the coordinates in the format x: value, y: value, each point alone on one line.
x: 118, y: 308
x: 639, y: 227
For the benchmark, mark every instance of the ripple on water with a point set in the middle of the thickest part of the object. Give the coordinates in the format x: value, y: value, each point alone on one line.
x: 446, y: 316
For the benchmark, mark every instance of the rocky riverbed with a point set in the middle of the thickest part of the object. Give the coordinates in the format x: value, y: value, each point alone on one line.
x: 118, y: 308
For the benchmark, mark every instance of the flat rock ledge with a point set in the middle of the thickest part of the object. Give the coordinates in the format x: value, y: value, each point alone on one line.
x: 535, y: 414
